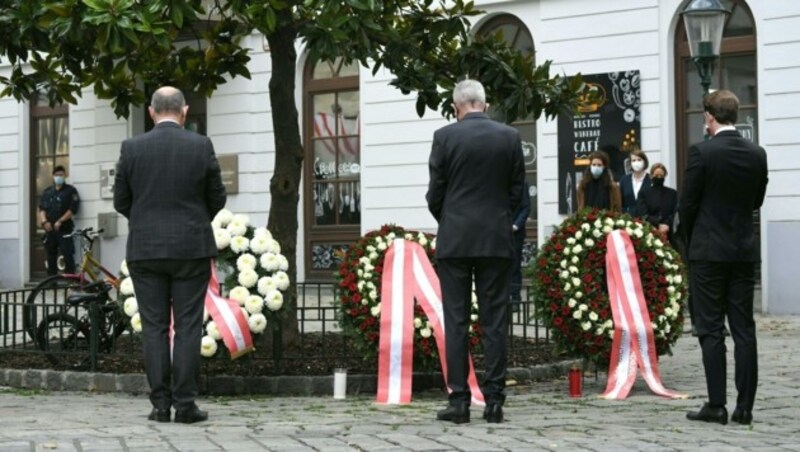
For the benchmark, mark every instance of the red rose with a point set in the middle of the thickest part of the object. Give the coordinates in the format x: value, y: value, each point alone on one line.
x: 542, y: 263
x: 558, y: 321
x: 565, y: 311
x: 553, y: 307
x: 587, y: 278
x: 352, y: 287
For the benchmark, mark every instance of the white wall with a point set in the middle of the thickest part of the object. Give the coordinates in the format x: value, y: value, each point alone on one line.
x: 13, y: 192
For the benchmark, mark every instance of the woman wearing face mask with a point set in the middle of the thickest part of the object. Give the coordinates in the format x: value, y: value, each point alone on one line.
x: 658, y: 203
x: 597, y: 188
x: 632, y: 185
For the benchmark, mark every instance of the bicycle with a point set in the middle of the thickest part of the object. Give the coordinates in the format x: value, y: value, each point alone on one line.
x: 58, y: 287
x: 75, y: 341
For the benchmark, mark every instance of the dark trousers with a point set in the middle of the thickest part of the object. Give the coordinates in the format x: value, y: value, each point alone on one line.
x: 516, y: 270
x: 491, y: 285
x: 55, y: 242
x: 165, y: 286
x: 723, y: 289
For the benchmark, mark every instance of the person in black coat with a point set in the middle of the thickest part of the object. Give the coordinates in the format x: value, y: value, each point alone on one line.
x: 520, y: 218
x: 726, y: 181
x: 633, y: 184
x: 658, y: 203
x: 597, y: 188
x: 168, y: 186
x: 477, y: 175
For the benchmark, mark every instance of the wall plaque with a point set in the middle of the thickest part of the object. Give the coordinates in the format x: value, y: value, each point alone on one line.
x: 229, y: 164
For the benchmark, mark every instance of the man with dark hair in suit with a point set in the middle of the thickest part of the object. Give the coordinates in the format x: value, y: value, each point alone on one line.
x: 726, y: 180
x: 476, y: 179
x: 169, y: 187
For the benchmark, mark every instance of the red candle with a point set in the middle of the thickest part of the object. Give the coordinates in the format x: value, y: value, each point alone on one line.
x: 575, y: 382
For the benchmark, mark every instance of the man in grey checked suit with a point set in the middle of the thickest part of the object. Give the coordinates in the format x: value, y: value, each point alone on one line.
x: 169, y: 187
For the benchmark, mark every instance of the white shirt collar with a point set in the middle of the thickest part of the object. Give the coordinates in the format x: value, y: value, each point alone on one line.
x: 725, y: 128
x: 168, y: 120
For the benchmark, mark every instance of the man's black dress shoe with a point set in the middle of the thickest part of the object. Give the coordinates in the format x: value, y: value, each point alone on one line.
x: 709, y: 414
x: 190, y: 415
x: 493, y: 413
x: 744, y: 417
x: 159, y: 415
x: 457, y: 414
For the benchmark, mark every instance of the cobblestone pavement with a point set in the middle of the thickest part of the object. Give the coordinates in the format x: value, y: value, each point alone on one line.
x: 539, y: 416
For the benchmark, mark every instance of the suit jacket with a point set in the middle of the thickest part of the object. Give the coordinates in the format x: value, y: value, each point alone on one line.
x: 169, y: 187
x: 629, y: 199
x: 658, y: 205
x: 477, y: 174
x: 524, y: 211
x: 726, y: 180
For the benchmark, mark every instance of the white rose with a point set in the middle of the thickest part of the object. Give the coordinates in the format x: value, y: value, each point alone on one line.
x: 571, y: 241
x: 390, y: 236
x: 239, y: 294
x: 222, y: 238
x: 274, y: 246
x: 367, y: 275
x: 254, y: 304
x: 597, y: 233
x: 567, y: 287
x: 364, y: 302
x: 246, y: 260
x: 274, y: 300
x: 571, y: 303
x: 629, y: 231
x: 576, y: 282
x: 473, y: 317
x: 678, y: 279
x: 577, y: 315
x: 671, y: 290
x: 669, y: 312
x: 579, y: 235
x: 473, y: 297
x: 564, y: 274
x: 563, y: 263
x: 417, y: 322
x: 123, y: 268
x: 266, y: 284
x: 670, y: 279
x: 248, y: 278
x: 126, y: 287
x: 213, y: 331
x: 433, y: 243
x: 659, y: 253
x: 658, y: 243
x: 262, y: 232
x: 208, y: 346
x: 583, y: 307
x: 621, y: 223
x: 375, y: 311
x: 607, y: 221
x: 408, y: 236
x: 240, y: 244
x: 425, y: 332
x: 599, y: 332
x: 236, y: 228
x: 566, y: 251
x: 586, y: 227
x: 593, y: 316
x: 136, y: 323
x: 370, y: 285
x: 589, y: 243
x: 599, y: 224
x: 223, y: 217
x: 360, y: 285
x: 373, y: 256
x: 422, y: 239
x: 378, y: 239
x: 578, y: 295
x: 373, y: 295
x: 573, y: 269
x: 281, y: 280
x: 577, y: 249
x: 611, y: 333
x: 206, y: 315
x: 638, y: 233
x: 269, y: 262
x: 283, y: 263
x: 260, y: 244
x: 607, y: 229
x: 257, y: 323
x: 575, y: 259
x: 585, y: 326
x: 381, y: 246
x: 131, y: 307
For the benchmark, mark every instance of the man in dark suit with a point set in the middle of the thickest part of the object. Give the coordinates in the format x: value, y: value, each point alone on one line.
x: 726, y: 180
x: 169, y: 187
x: 476, y: 179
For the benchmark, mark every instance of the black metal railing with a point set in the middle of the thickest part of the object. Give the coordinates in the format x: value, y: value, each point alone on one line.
x: 319, y: 347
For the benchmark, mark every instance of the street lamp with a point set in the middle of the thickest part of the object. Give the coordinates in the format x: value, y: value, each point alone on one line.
x: 704, y: 21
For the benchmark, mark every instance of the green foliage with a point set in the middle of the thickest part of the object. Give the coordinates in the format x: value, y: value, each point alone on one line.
x: 118, y: 47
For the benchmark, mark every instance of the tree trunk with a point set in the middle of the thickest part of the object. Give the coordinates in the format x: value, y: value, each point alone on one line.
x: 285, y: 184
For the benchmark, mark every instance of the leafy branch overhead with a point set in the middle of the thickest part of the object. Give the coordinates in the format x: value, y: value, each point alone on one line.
x: 119, y: 47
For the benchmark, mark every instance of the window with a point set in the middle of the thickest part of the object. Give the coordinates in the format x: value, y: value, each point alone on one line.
x: 49, y: 148
x: 517, y: 36
x: 333, y: 164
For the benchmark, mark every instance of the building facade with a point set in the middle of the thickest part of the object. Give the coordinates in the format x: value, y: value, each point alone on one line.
x: 367, y: 150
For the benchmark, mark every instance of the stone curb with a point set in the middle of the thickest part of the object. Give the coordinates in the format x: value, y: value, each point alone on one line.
x: 222, y: 385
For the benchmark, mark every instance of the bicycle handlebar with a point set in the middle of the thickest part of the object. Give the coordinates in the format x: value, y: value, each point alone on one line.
x: 87, y: 233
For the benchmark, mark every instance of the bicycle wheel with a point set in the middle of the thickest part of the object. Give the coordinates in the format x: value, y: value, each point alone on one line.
x: 64, y: 340
x: 51, y: 291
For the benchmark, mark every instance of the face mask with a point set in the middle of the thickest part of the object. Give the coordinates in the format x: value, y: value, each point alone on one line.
x: 597, y: 171
x: 638, y: 165
x: 658, y: 181
x: 59, y: 180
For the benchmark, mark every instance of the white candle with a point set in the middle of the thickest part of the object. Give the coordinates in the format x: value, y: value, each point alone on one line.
x: 339, y: 383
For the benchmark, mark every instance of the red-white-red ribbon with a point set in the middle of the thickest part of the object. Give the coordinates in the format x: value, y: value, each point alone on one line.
x: 228, y: 316
x: 633, y: 345
x: 408, y: 275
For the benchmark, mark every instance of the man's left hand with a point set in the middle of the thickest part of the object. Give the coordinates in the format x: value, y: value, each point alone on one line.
x: 57, y: 225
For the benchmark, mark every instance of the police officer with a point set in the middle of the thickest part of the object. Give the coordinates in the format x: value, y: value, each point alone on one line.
x: 56, y: 208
